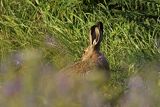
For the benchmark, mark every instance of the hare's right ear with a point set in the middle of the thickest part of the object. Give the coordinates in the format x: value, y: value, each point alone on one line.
x: 96, y: 33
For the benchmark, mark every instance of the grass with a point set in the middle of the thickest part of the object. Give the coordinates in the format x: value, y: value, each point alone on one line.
x: 58, y: 31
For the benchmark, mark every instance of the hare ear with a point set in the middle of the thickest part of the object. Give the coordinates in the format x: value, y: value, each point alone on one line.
x: 96, y: 33
x: 100, y: 26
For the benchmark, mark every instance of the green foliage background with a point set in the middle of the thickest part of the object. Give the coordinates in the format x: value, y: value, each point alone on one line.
x: 59, y: 29
x: 131, y: 27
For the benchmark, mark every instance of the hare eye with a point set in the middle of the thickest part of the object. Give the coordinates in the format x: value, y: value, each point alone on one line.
x: 85, y: 50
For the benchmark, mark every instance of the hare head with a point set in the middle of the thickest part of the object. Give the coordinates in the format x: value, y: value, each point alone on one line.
x: 95, y: 37
x: 92, y: 59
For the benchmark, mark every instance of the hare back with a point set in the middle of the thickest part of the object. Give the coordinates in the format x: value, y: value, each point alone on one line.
x: 80, y: 67
x: 84, y: 67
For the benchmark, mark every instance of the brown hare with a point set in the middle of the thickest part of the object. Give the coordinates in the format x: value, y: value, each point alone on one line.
x: 92, y: 58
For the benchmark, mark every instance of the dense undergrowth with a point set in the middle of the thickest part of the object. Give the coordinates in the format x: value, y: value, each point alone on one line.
x: 57, y: 31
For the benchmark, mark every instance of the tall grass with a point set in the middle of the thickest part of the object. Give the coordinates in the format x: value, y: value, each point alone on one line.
x: 58, y: 30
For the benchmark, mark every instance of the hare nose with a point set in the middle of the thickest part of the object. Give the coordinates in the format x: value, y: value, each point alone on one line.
x: 85, y: 50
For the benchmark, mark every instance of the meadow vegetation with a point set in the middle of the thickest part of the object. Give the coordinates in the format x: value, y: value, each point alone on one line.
x: 40, y: 37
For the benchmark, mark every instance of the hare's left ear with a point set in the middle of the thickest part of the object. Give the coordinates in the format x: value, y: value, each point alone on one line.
x: 96, y: 34
x: 100, y: 26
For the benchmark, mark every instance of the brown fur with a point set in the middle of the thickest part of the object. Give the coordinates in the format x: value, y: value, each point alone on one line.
x: 92, y: 58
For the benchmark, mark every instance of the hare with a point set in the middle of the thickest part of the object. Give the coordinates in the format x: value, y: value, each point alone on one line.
x: 92, y: 58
